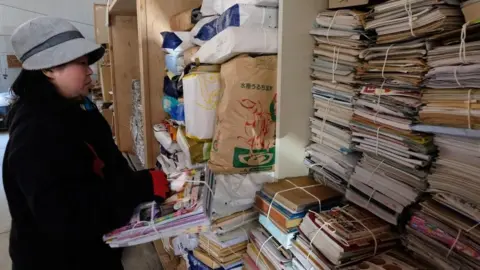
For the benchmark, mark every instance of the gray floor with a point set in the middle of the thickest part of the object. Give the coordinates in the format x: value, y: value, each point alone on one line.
x: 5, y: 263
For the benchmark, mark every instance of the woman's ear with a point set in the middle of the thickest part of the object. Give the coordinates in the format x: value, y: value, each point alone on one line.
x: 48, y: 73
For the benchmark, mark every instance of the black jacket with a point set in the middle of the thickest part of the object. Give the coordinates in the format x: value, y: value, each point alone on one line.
x: 67, y: 184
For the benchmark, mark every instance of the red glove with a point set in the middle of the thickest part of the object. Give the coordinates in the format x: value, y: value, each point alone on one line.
x: 161, y: 186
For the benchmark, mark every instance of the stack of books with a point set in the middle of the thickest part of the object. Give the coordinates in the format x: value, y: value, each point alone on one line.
x: 404, y: 20
x: 182, y: 213
x: 447, y: 237
x: 340, y: 39
x: 341, y: 237
x: 282, y: 205
x: 392, y: 259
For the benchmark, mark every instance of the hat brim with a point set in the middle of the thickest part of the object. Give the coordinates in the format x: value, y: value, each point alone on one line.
x: 64, y: 53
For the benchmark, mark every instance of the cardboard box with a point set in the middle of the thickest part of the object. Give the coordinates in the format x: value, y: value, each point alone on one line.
x: 471, y: 10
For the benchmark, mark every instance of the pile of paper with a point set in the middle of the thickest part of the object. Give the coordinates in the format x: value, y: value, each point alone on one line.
x: 265, y: 252
x: 392, y: 259
x: 341, y: 237
x: 399, y: 65
x: 403, y: 20
x: 395, y: 164
x: 456, y: 170
x: 446, y: 237
x: 182, y: 213
x: 232, y: 216
x: 223, y: 250
x: 454, y: 80
x: 282, y: 205
x: 340, y: 38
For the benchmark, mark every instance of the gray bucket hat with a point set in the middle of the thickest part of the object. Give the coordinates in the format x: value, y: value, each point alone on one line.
x: 47, y: 42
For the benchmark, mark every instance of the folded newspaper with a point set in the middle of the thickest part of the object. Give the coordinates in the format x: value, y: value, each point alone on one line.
x: 181, y: 213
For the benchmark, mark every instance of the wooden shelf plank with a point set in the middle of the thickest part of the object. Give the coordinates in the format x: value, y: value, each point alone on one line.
x: 123, y: 7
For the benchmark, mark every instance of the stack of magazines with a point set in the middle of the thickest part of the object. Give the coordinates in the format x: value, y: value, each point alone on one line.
x: 265, y: 252
x: 182, y: 213
x: 392, y: 173
x: 453, y: 81
x: 340, y: 38
x: 446, y: 237
x: 456, y: 170
x: 341, y: 237
x: 404, y: 20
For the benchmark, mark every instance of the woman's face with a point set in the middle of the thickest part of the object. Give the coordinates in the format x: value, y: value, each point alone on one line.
x: 73, y: 79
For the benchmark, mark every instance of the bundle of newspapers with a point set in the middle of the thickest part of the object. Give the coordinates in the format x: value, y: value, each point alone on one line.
x: 340, y: 38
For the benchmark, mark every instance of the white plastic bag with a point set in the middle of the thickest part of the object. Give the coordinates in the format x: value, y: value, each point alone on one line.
x: 236, y: 192
x: 219, y: 6
x: 200, y: 93
x: 237, y: 40
x: 175, y: 63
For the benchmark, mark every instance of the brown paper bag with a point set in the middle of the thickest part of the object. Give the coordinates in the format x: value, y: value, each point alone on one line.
x: 244, y: 138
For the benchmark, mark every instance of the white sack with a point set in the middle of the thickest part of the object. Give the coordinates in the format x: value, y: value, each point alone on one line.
x: 199, y: 27
x: 236, y: 192
x: 219, y: 6
x: 207, y: 8
x: 237, y: 40
x: 238, y: 15
x: 176, y: 42
x: 200, y: 94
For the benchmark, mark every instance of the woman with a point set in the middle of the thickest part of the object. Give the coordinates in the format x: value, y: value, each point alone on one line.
x: 66, y: 182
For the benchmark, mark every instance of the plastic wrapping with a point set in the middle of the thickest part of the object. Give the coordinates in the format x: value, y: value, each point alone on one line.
x: 238, y: 15
x: 236, y: 192
x: 175, y: 63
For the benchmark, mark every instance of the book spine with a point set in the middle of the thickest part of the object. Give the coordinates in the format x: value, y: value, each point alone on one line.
x: 274, y: 214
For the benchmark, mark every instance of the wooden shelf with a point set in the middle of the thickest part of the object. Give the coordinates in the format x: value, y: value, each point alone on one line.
x: 123, y: 7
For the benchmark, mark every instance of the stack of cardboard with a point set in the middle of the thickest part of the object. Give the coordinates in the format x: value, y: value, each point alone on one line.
x: 340, y: 38
x: 341, y: 237
x: 447, y: 237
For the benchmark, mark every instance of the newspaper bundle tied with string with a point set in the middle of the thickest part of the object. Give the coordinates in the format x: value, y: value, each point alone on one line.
x: 339, y: 37
x: 181, y: 213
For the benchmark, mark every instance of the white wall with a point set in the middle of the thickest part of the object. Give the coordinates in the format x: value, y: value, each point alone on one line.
x: 15, y: 12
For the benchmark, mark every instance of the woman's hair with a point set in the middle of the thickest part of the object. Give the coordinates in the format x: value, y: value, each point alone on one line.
x: 33, y: 86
